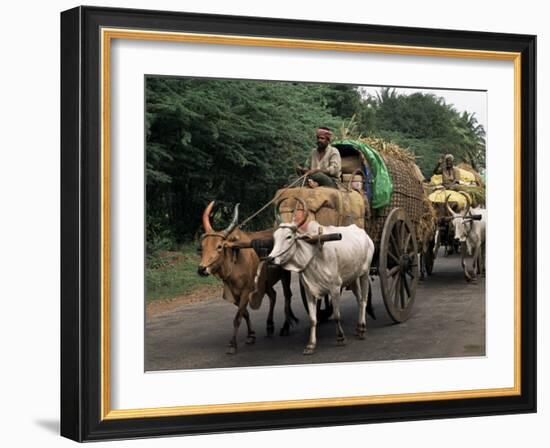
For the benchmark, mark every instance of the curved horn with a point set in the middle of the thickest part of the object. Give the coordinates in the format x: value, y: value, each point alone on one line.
x: 449, y: 209
x: 234, y: 221
x: 468, y: 202
x: 278, y: 217
x: 206, y: 217
x: 304, y: 205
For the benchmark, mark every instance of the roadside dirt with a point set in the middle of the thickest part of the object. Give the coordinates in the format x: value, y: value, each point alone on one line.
x: 202, y: 294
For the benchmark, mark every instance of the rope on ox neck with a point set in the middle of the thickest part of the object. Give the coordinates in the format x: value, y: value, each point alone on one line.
x: 294, y: 241
x: 294, y: 238
x: 256, y: 213
x: 222, y: 235
x: 466, y: 219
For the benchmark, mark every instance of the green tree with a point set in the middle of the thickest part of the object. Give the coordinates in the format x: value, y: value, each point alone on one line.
x: 237, y: 141
x: 233, y: 141
x: 425, y: 124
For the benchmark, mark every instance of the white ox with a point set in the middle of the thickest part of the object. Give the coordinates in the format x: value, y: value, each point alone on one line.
x: 326, y: 269
x: 469, y: 230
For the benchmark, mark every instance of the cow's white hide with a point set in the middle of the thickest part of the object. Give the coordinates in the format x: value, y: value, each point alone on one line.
x: 326, y: 269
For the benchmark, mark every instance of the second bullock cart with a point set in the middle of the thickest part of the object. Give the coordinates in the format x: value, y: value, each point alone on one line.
x: 447, y: 202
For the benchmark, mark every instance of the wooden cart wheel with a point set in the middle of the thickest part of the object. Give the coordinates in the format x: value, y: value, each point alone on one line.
x: 323, y: 314
x: 398, y: 265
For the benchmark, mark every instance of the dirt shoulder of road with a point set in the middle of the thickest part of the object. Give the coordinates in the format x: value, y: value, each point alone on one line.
x: 202, y: 294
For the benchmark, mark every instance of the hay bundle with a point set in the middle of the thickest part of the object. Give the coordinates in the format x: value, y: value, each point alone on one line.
x: 408, y: 191
x: 476, y: 193
x: 426, y: 227
x: 390, y: 150
x: 467, y: 167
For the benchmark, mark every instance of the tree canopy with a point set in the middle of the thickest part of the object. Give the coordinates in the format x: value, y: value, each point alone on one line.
x: 425, y: 124
x: 238, y: 141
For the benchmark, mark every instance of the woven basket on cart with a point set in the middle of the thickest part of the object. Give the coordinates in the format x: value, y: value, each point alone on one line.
x: 408, y: 194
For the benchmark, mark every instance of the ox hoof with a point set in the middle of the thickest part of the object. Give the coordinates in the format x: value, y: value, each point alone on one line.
x: 285, y: 330
x: 468, y: 276
x: 309, y: 350
x: 231, y: 350
x: 360, y: 332
x: 250, y: 340
x: 341, y: 341
x: 270, y: 329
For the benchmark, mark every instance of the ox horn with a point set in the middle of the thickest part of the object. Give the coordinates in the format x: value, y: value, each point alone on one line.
x: 206, y: 217
x: 278, y: 217
x: 304, y: 205
x: 468, y: 202
x: 450, y: 210
x: 234, y: 221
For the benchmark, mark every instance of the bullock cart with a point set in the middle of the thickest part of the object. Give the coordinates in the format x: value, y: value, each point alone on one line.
x: 398, y: 227
x: 446, y: 203
x: 444, y: 200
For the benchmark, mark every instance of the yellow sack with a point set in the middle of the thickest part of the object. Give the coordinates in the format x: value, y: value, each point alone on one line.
x: 465, y: 177
x: 437, y: 179
x: 439, y: 197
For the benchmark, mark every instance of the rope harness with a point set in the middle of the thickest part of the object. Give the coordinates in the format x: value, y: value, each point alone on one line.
x: 224, y: 235
x: 256, y: 213
x: 469, y: 229
x: 294, y: 240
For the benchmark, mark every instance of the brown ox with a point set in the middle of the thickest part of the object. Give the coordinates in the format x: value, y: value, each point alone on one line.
x: 237, y: 268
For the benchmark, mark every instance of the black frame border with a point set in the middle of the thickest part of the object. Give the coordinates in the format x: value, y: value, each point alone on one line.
x: 81, y: 223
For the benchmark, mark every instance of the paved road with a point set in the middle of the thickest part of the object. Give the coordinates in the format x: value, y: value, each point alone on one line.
x: 448, y: 321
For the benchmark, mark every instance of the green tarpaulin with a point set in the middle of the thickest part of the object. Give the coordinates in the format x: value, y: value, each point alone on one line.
x: 382, y: 186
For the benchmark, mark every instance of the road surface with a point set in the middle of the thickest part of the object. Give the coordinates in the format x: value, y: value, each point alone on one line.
x: 448, y: 320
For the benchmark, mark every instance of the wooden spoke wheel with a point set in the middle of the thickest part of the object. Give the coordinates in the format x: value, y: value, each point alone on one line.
x: 323, y: 314
x: 398, y: 265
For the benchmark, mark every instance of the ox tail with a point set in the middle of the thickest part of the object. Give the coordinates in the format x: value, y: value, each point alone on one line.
x: 370, y: 309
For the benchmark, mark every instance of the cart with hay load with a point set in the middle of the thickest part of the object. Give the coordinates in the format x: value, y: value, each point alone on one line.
x: 470, y: 191
x: 380, y: 191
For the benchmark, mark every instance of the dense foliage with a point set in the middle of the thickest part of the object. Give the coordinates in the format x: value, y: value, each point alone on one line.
x: 238, y: 141
x: 426, y: 125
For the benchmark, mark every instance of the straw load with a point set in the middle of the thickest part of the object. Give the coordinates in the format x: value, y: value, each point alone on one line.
x: 408, y: 191
x: 470, y: 182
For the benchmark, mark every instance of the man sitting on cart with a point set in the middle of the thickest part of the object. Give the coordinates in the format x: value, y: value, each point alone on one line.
x: 325, y: 164
x: 449, y: 173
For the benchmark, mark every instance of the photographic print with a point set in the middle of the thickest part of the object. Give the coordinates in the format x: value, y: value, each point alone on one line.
x: 293, y: 223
